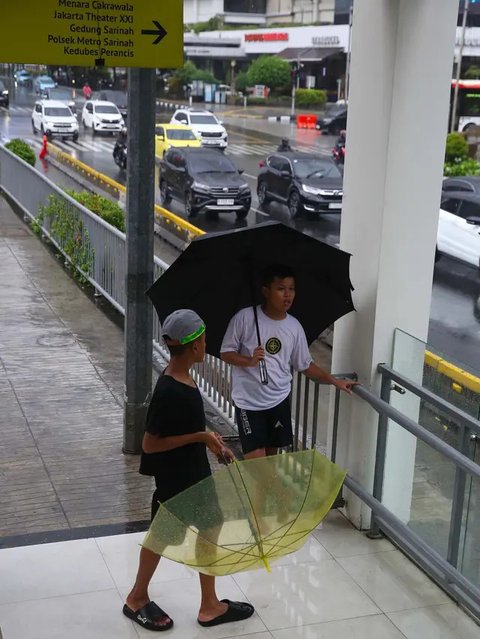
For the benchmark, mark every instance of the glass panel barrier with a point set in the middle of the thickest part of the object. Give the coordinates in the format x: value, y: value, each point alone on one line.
x: 421, y: 486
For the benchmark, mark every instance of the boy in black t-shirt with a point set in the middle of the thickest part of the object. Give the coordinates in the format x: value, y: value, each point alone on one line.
x: 174, y: 452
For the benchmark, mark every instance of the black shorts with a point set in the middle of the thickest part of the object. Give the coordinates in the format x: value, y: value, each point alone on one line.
x: 270, y: 428
x: 204, y: 515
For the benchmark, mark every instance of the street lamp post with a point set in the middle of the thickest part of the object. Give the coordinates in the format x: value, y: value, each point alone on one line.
x: 459, y: 67
x: 232, y: 81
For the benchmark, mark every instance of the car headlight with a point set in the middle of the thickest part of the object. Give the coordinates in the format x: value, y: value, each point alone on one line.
x: 49, y: 125
x: 244, y: 187
x: 311, y: 189
x: 326, y: 120
x: 199, y: 186
x: 5, y: 92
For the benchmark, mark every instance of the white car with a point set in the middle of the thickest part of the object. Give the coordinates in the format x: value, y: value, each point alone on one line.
x: 54, y: 119
x: 102, y: 116
x: 205, y: 125
x: 459, y: 228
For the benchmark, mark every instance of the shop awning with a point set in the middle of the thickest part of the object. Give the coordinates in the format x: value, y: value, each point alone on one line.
x: 311, y: 54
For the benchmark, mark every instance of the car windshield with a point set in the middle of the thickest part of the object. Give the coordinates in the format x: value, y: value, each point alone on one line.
x: 106, y: 108
x: 180, y: 134
x: 218, y: 163
x: 203, y: 119
x: 315, y: 167
x: 332, y: 110
x: 46, y: 81
x: 58, y: 112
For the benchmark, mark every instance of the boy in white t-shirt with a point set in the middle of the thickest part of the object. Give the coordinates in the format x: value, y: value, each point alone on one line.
x: 263, y: 410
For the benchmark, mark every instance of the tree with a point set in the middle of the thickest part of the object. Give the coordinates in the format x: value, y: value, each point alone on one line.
x: 473, y: 72
x: 269, y: 70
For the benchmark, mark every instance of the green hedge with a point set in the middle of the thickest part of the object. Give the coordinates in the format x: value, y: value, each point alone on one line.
x: 310, y: 98
x: 22, y: 149
x: 106, y: 209
x: 468, y: 166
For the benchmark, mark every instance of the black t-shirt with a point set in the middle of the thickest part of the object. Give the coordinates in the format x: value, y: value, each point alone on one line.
x: 175, y: 409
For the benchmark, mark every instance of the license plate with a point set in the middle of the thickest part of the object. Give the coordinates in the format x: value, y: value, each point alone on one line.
x: 335, y: 205
x: 209, y: 141
x: 225, y: 202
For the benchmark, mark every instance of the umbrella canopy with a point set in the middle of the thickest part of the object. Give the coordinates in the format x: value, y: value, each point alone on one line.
x: 247, y: 514
x: 218, y: 274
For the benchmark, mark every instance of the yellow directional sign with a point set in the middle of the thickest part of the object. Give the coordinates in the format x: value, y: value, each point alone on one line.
x: 137, y: 33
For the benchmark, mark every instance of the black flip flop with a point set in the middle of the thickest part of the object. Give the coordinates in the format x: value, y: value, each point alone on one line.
x: 146, y: 616
x: 237, y: 611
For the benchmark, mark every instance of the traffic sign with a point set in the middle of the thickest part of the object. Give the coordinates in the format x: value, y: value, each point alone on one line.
x: 89, y: 33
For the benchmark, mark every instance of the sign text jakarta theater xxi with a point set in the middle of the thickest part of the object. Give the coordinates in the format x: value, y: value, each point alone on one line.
x: 137, y: 33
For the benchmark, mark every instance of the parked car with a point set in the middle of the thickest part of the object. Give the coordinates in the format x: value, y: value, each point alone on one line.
x: 4, y: 97
x: 334, y: 120
x: 179, y: 135
x: 204, y: 180
x: 55, y: 119
x: 463, y: 184
x: 63, y: 94
x: 42, y: 83
x: 119, y: 98
x: 459, y: 227
x: 23, y: 78
x: 205, y: 124
x: 302, y: 181
x: 102, y: 117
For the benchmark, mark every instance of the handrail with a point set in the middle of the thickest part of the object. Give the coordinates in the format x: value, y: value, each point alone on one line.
x: 427, y: 395
x: 383, y: 408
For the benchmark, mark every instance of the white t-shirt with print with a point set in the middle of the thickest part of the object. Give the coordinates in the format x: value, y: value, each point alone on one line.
x: 285, y: 346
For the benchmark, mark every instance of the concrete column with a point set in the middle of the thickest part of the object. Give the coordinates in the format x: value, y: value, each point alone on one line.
x: 397, y: 122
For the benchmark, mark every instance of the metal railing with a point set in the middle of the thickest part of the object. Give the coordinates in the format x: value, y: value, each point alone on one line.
x: 444, y: 570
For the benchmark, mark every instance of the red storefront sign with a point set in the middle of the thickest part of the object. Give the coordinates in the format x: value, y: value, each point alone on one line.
x: 266, y: 37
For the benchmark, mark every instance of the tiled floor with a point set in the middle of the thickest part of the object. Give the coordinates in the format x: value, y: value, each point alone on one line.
x: 340, y: 585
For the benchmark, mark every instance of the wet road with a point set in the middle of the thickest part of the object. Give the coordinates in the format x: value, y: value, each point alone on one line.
x: 455, y: 311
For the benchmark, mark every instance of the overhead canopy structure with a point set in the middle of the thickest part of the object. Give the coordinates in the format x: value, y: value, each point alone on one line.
x: 310, y: 54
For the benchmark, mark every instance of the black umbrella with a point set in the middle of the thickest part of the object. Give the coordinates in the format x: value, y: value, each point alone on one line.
x: 218, y: 274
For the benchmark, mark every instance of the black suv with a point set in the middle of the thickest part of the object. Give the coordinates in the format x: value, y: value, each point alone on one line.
x: 302, y: 181
x: 334, y: 119
x: 4, y: 99
x: 204, y: 179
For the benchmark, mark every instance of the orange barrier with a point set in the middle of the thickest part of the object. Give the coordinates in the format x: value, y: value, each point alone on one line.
x: 306, y: 121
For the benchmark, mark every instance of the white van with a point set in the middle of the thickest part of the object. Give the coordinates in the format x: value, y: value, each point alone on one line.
x: 54, y: 119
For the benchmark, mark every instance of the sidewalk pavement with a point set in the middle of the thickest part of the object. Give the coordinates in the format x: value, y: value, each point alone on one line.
x: 61, y: 392
x: 341, y: 585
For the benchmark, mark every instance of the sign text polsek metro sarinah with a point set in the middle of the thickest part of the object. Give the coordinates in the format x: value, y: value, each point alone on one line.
x: 94, y: 33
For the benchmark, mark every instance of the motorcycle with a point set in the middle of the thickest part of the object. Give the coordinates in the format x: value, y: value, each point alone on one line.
x: 120, y: 155
x: 338, y: 153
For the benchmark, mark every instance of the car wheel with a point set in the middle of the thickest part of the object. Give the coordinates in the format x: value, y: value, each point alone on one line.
x: 468, y: 126
x: 75, y: 137
x: 190, y: 210
x: 263, y: 198
x: 33, y: 128
x: 241, y: 215
x: 164, y: 196
x: 294, y: 204
x: 438, y: 255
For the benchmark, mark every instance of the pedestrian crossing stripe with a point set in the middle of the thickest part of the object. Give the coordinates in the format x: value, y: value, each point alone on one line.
x: 102, y: 146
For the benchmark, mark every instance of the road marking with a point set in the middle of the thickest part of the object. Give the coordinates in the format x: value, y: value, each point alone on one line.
x: 260, y: 212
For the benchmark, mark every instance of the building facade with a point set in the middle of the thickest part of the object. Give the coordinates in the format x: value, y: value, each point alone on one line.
x: 260, y: 12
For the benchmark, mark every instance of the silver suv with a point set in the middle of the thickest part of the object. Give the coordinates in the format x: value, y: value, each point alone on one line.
x: 205, y: 124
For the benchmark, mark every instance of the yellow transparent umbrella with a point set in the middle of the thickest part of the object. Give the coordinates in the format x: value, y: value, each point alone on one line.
x: 247, y: 514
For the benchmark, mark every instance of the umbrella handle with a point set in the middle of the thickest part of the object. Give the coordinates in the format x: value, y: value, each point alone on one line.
x: 262, y: 365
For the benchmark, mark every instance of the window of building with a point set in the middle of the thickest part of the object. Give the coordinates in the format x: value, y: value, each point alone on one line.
x: 245, y: 6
